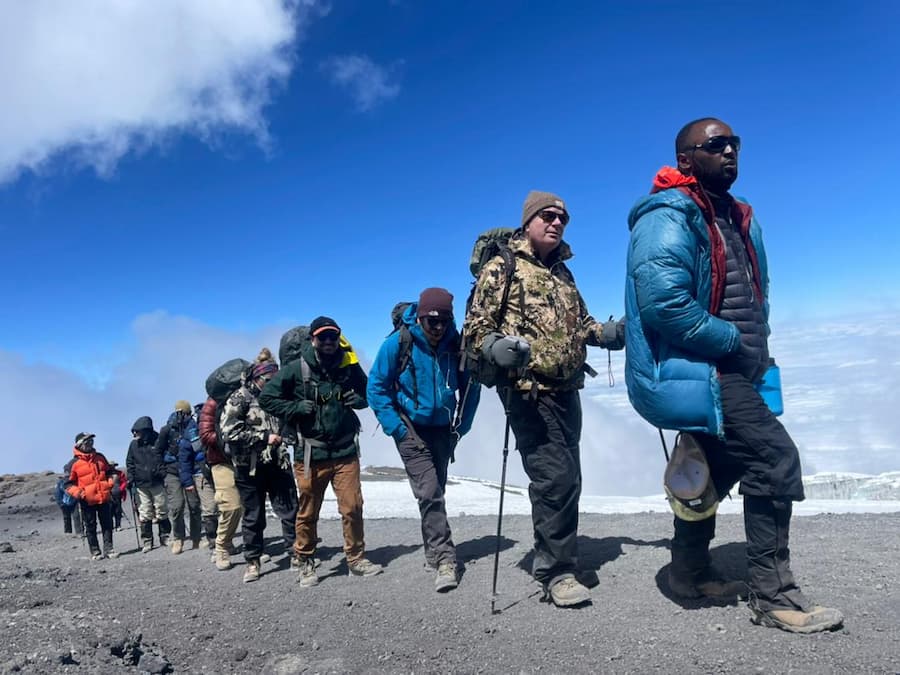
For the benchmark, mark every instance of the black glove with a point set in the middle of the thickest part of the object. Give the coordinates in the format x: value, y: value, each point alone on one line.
x: 351, y: 399
x: 304, y: 407
x: 509, y: 352
x: 612, y: 336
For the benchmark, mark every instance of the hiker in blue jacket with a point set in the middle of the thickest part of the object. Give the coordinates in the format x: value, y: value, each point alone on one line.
x: 696, y: 298
x: 426, y: 404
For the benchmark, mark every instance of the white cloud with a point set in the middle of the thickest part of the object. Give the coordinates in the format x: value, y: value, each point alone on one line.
x: 92, y: 81
x: 367, y: 82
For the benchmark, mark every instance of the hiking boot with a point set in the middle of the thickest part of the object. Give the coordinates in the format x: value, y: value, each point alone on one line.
x: 147, y: 547
x: 177, y: 546
x: 446, y: 578
x: 163, y: 540
x: 307, y: 576
x: 203, y: 544
x: 705, y: 584
x: 264, y: 558
x: 364, y: 568
x: 296, y: 563
x: 195, y: 544
x: 252, y: 571
x: 112, y: 553
x: 222, y: 560
x: 816, y: 620
x: 96, y: 555
x: 567, y: 592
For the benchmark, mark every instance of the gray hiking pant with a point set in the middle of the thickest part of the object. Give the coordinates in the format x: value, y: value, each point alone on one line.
x: 177, y: 498
x: 427, y: 471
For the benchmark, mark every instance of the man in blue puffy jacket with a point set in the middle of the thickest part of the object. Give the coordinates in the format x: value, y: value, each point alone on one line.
x: 426, y: 404
x: 697, y: 349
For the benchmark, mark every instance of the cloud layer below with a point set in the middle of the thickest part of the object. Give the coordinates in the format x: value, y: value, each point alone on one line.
x: 840, y: 378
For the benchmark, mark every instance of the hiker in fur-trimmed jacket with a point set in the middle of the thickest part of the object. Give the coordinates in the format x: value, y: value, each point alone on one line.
x: 538, y: 340
x: 90, y: 483
x: 262, y: 463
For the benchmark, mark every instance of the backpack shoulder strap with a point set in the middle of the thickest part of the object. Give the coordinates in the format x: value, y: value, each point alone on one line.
x: 509, y: 269
x: 405, y: 360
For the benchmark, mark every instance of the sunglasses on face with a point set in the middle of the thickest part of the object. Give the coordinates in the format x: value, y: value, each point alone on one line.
x: 435, y: 322
x: 717, y: 144
x: 328, y: 336
x: 549, y: 216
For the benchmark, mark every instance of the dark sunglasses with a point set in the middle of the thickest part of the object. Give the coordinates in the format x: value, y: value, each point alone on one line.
x: 435, y: 322
x: 717, y: 144
x: 549, y: 216
x: 328, y: 336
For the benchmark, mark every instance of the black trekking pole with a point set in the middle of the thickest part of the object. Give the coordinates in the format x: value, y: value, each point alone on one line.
x: 134, y: 512
x: 502, y: 490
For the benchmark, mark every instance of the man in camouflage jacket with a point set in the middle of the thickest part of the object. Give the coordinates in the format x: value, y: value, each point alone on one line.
x: 538, y: 337
x: 262, y: 464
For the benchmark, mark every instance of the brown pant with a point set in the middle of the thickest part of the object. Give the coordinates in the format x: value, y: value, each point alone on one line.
x: 343, y: 476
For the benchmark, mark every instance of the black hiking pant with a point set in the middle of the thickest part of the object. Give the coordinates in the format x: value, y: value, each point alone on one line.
x: 548, y: 430
x: 758, y: 452
x: 71, y: 517
x: 426, y: 468
x: 278, y: 484
x: 90, y: 514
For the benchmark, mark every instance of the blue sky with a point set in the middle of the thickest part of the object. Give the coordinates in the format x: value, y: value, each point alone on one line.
x: 180, y: 182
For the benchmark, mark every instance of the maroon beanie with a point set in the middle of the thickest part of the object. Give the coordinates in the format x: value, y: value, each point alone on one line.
x: 435, y: 302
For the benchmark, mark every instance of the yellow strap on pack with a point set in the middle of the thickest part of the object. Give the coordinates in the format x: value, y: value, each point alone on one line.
x: 350, y: 356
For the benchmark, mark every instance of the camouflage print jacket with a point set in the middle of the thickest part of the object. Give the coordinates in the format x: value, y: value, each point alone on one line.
x: 246, y: 429
x: 544, y: 307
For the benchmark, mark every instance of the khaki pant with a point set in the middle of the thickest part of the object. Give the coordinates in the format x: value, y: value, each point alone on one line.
x: 152, y: 504
x: 229, y: 502
x: 343, y: 475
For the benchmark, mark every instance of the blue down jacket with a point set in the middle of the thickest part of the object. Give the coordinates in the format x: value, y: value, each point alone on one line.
x: 438, y: 381
x: 673, y: 339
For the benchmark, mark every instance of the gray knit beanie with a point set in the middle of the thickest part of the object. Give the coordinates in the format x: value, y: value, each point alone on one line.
x: 538, y: 201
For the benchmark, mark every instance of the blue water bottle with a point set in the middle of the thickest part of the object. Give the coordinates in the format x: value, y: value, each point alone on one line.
x: 770, y: 389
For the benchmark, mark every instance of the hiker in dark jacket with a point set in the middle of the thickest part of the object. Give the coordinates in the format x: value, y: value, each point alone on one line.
x: 226, y: 495
x: 414, y: 397
x: 192, y: 465
x: 317, y: 395
x: 146, y: 473
x: 696, y: 296
x: 180, y: 491
x: 262, y: 465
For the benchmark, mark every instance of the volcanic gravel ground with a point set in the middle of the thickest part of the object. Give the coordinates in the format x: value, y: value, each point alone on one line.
x: 156, y: 612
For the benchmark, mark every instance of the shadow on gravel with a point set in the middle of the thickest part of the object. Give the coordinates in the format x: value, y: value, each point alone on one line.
x: 595, y: 553
x: 730, y: 560
x: 483, y: 547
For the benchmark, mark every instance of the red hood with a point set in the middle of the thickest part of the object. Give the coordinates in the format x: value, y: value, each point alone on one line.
x: 670, y: 177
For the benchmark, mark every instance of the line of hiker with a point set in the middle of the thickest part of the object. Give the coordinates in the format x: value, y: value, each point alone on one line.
x: 696, y: 331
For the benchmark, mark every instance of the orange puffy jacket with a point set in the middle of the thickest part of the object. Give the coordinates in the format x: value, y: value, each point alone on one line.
x: 89, y: 478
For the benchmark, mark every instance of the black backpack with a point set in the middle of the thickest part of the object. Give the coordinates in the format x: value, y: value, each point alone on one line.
x: 488, y: 245
x: 292, y: 343
x: 404, y: 354
x: 225, y: 380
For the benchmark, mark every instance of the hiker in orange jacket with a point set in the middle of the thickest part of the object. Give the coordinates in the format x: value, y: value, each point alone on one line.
x: 91, y: 483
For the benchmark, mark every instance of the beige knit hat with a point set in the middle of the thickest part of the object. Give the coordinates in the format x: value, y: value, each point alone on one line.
x: 537, y: 201
x: 183, y: 406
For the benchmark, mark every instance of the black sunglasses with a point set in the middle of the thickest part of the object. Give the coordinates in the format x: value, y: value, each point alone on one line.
x: 717, y: 144
x: 435, y: 322
x: 549, y: 216
x: 328, y: 336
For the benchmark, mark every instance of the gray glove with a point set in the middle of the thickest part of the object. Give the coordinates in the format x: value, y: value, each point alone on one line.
x: 613, y: 335
x: 509, y: 352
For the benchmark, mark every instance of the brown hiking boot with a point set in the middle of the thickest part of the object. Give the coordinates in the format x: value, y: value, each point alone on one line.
x: 568, y: 592
x: 816, y: 620
x: 251, y: 574
x: 177, y: 546
x: 222, y: 560
x: 705, y: 584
